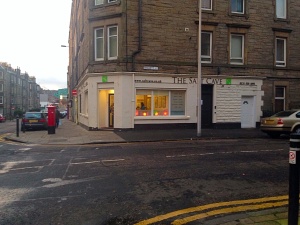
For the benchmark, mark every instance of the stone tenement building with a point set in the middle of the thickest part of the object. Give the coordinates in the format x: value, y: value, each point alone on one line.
x: 134, y: 64
x: 18, y: 91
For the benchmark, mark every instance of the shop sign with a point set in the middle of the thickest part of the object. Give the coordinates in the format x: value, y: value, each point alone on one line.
x: 183, y: 80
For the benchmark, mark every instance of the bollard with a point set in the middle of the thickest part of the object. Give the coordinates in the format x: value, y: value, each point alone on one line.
x: 294, y: 161
x: 17, y: 126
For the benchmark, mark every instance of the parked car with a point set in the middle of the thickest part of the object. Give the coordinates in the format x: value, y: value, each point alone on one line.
x: 284, y: 122
x: 34, y: 120
x: 2, y: 118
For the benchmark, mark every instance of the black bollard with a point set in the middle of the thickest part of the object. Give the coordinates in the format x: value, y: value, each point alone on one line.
x: 17, y: 126
x: 294, y: 161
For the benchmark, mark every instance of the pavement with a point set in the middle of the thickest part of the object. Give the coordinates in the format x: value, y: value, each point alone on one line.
x: 70, y: 133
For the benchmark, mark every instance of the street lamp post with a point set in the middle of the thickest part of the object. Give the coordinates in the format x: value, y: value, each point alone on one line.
x: 199, y: 100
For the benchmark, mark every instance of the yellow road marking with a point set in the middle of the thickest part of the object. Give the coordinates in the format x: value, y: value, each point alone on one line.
x: 211, y: 206
x: 229, y: 210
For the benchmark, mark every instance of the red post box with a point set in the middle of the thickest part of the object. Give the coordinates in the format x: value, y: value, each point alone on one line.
x: 51, y: 119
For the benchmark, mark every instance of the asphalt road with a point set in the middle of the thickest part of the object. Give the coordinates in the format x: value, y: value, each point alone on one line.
x: 130, y: 183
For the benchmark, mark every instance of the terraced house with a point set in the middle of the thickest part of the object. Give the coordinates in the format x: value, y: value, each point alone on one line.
x: 134, y: 64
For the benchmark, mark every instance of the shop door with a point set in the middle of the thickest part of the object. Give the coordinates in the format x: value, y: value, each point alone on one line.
x: 207, y: 106
x: 247, y: 112
x: 111, y: 107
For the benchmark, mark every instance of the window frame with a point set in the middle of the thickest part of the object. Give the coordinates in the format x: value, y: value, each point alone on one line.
x: 208, y: 9
x: 167, y: 113
x: 242, y: 50
x: 109, y: 42
x: 210, y: 47
x: 284, y: 10
x: 96, y: 43
x: 1, y: 100
x: 280, y: 98
x: 277, y: 62
x: 237, y: 12
x: 102, y: 2
x: 1, y: 88
x: 1, y: 75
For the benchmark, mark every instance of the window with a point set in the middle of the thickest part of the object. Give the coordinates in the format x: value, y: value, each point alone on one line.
x: 206, y: 47
x: 1, y: 99
x: 99, y: 44
x: 279, y: 98
x: 1, y: 75
x: 280, y: 52
x: 237, y: 49
x: 206, y: 4
x: 99, y: 2
x: 112, y: 42
x: 160, y: 103
x: 237, y: 6
x: 281, y: 9
x: 1, y: 87
x: 85, y: 103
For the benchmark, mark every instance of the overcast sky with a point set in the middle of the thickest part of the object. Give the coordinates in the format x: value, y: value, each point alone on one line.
x: 31, y: 35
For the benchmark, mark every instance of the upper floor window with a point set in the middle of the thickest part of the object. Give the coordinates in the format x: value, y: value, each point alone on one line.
x: 99, y: 44
x: 237, y: 49
x: 1, y: 75
x: 1, y: 99
x: 1, y: 87
x: 281, y: 9
x: 206, y: 4
x: 238, y: 6
x: 206, y: 47
x: 112, y: 42
x: 106, y: 39
x: 280, y: 52
x: 101, y: 2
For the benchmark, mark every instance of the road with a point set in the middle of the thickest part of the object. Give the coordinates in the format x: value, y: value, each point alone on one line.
x: 134, y: 183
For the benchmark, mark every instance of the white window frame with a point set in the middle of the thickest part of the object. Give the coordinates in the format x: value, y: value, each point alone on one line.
x: 207, y: 2
x: 207, y: 58
x: 96, y: 44
x: 110, y: 1
x: 109, y: 37
x: 278, y: 62
x: 281, y: 12
x: 233, y: 60
x: 236, y: 11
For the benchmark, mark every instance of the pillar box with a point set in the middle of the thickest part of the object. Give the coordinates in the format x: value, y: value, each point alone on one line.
x: 51, y: 119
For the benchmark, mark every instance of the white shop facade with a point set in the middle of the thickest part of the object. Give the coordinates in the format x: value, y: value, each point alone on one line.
x: 141, y: 100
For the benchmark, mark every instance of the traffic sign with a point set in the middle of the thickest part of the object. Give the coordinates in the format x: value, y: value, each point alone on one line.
x: 74, y: 92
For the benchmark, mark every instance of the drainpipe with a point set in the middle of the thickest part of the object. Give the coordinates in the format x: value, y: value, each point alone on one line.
x: 140, y: 36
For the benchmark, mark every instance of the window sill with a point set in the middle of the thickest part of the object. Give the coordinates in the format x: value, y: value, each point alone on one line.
x: 162, y: 117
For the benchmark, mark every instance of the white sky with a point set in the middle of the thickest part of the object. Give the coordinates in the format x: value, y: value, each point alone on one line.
x: 31, y: 35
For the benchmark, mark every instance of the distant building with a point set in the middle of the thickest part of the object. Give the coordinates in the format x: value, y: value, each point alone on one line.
x: 18, y: 91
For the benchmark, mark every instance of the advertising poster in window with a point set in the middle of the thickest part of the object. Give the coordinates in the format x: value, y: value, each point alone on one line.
x: 178, y: 103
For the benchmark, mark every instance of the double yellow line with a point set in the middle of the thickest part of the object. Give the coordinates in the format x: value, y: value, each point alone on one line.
x: 205, y: 211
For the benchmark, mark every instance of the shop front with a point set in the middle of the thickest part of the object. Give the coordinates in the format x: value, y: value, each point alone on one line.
x: 139, y: 101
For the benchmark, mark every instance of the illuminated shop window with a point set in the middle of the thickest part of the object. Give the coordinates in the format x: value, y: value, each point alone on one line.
x: 160, y: 103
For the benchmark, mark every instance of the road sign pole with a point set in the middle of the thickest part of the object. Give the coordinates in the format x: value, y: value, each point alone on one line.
x: 294, y: 161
